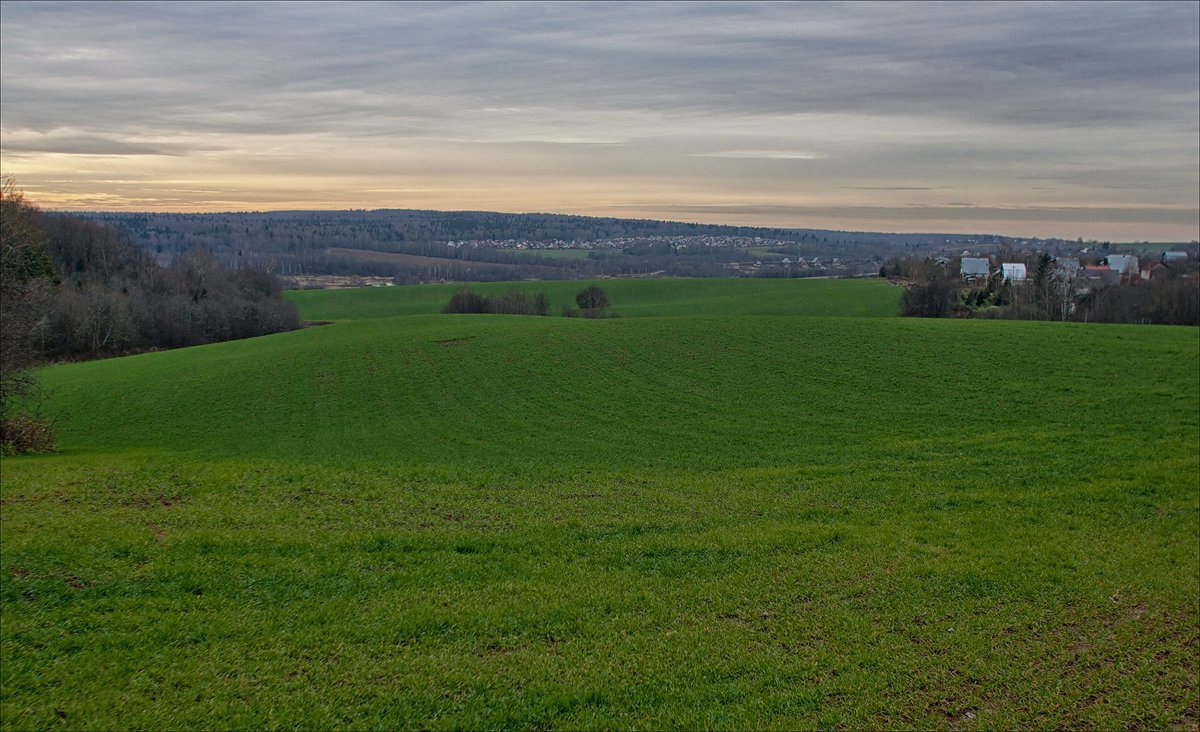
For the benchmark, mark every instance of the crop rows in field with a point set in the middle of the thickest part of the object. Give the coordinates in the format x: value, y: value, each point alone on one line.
x: 629, y: 297
x: 719, y: 520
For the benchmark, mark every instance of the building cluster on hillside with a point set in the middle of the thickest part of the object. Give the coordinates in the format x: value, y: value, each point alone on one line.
x: 1130, y: 286
x: 1114, y: 269
x: 632, y: 242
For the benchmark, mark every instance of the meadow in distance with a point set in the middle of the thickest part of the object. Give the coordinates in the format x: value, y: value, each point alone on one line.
x: 743, y: 504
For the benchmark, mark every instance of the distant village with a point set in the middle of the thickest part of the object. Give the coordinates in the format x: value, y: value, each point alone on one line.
x: 1087, y: 268
x: 628, y: 242
x: 340, y: 248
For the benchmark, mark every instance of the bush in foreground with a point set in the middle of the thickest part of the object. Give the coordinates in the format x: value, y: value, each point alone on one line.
x: 22, y: 434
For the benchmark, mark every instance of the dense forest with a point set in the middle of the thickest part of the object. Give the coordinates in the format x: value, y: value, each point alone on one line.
x: 77, y: 289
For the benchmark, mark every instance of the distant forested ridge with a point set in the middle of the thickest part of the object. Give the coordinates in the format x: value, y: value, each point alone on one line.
x: 489, y: 246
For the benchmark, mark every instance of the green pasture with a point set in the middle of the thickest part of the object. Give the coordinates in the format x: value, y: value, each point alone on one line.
x: 629, y: 297
x: 713, y: 521
x: 765, y: 252
x: 1147, y: 247
x: 556, y: 253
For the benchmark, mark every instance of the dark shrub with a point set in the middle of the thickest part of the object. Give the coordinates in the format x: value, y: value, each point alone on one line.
x: 24, y: 434
x: 592, y: 298
x: 931, y: 300
x: 1165, y: 302
x: 513, y: 302
x: 465, y: 301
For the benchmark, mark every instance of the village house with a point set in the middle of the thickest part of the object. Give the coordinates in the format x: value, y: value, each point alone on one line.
x: 1126, y: 265
x: 1068, y: 266
x: 1153, y: 270
x: 1098, y: 275
x: 1013, y: 271
x: 973, y: 268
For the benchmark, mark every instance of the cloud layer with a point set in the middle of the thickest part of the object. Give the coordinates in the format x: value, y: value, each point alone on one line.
x: 844, y: 116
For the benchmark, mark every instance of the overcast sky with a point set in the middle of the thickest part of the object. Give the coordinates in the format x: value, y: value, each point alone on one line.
x: 1038, y: 119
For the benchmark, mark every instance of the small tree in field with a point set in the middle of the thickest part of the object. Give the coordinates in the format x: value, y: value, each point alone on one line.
x: 465, y: 301
x: 592, y: 298
x: 593, y: 303
x: 513, y: 302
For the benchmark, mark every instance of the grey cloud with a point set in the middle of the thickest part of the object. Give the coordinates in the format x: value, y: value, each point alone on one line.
x: 1098, y: 95
x: 956, y: 212
x: 1044, y: 63
x: 762, y: 155
x: 893, y: 188
x: 85, y: 145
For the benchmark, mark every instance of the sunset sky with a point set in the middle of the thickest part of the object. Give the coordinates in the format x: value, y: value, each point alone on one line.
x: 1071, y: 120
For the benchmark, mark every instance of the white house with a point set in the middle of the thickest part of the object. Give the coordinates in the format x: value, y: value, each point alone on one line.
x: 1013, y: 271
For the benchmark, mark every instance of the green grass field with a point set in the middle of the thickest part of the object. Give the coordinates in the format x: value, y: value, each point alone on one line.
x: 629, y: 297
x: 557, y: 253
x: 1149, y: 247
x: 720, y: 520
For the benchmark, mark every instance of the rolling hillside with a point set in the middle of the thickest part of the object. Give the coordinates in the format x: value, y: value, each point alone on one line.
x: 629, y: 297
x: 720, y: 520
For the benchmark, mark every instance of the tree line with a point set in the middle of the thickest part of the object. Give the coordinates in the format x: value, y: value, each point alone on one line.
x: 74, y: 289
x: 298, y: 243
x: 592, y: 301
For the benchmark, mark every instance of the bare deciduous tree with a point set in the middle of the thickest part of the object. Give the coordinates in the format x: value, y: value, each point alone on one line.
x: 26, y: 275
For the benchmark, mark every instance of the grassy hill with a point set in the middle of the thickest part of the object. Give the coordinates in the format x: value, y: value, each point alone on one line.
x: 629, y: 297
x: 719, y: 520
